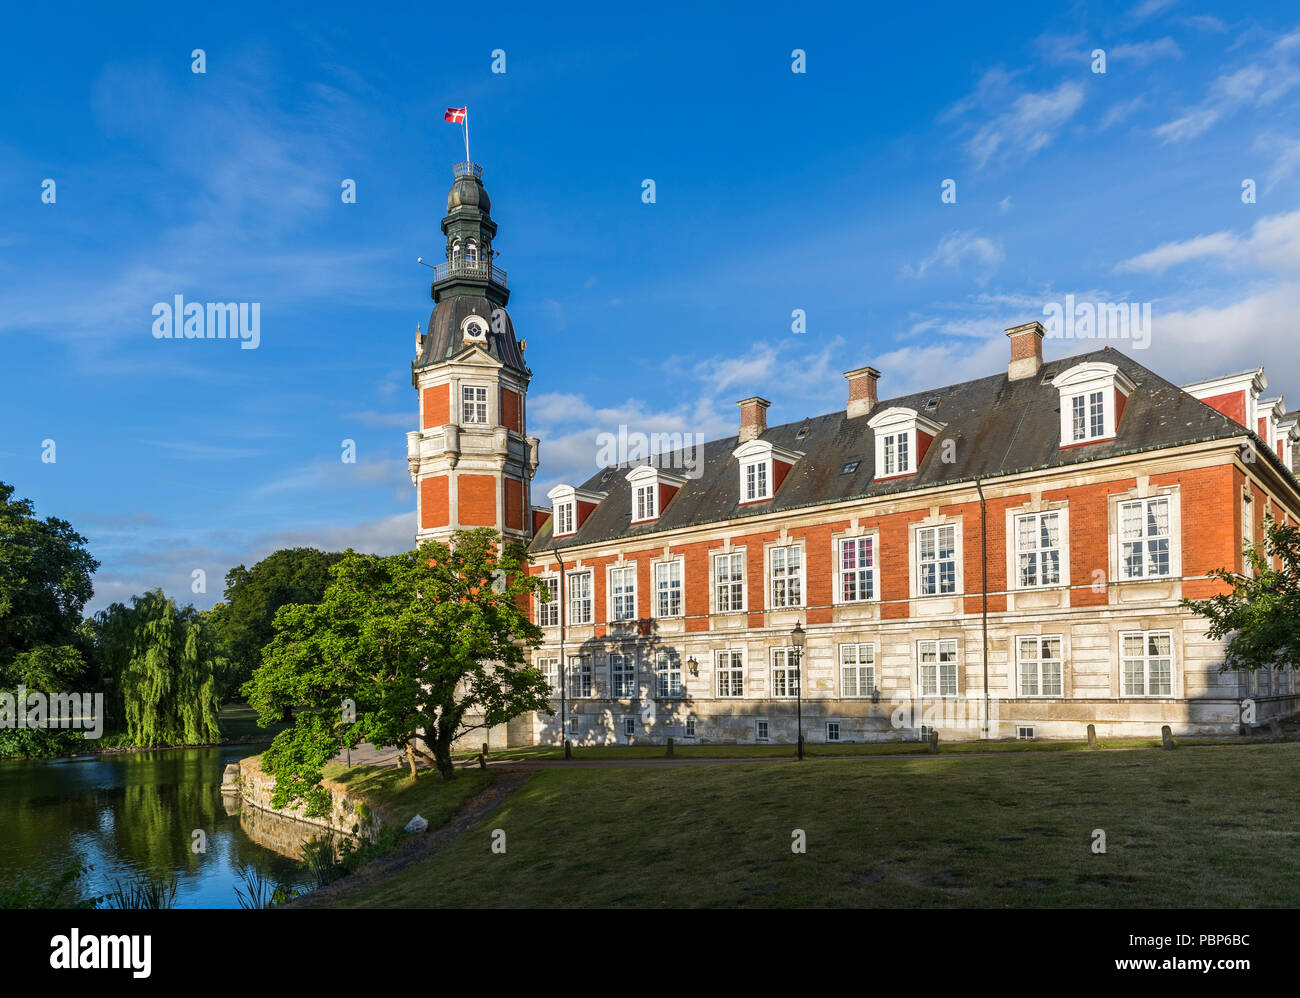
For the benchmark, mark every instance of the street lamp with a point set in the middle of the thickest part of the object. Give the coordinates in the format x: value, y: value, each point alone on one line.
x: 797, y: 638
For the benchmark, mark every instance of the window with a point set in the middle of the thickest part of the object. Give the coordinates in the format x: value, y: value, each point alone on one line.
x: 787, y: 576
x: 832, y: 731
x: 730, y: 666
x: 729, y: 582
x: 1088, y: 416
x: 629, y: 726
x: 548, y: 613
x: 573, y: 725
x: 580, y: 598
x: 936, y: 560
x: 760, y: 731
x: 473, y: 402
x: 785, y: 672
x: 1144, y: 538
x: 857, y: 670
x: 644, y: 506
x: 1038, y: 549
x: 668, y: 673
x: 755, y: 478
x: 1146, y: 661
x: 580, y: 676
x: 622, y: 674
x: 938, y: 668
x: 1039, y: 661
x: 857, y: 569
x: 550, y: 668
x: 668, y: 589
x: 1025, y: 732
x: 622, y: 588
x: 563, y: 518
x: 690, y: 727
x: 897, y: 451
x: 471, y: 252
x: 850, y: 467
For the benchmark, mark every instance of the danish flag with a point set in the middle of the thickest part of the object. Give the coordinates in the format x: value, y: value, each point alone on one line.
x: 456, y: 115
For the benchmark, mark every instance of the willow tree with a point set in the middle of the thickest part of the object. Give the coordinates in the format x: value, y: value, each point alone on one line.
x: 166, y: 658
x: 413, y: 650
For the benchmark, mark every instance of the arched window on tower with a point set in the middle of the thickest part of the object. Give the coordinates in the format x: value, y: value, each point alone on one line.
x: 455, y: 252
x: 471, y: 253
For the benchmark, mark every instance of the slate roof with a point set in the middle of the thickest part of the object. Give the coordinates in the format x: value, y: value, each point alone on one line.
x: 443, y: 338
x: 1001, y: 427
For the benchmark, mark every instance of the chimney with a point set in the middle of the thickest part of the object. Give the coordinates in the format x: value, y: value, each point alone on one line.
x: 753, y: 417
x: 1026, y: 350
x: 862, y: 390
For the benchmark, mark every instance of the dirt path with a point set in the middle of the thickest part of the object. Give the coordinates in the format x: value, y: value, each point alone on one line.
x: 419, y: 848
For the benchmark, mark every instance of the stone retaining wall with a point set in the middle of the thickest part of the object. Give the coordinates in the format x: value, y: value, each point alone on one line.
x: 255, y: 788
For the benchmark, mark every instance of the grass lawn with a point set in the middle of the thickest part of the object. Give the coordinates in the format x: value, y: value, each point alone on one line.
x: 1196, y: 827
x: 391, y: 792
x: 239, y: 724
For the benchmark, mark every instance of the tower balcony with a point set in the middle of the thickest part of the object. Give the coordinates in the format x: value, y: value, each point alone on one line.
x: 465, y: 169
x: 459, y: 270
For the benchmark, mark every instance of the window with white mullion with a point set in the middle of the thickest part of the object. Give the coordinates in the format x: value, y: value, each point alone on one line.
x: 898, y: 453
x: 474, y: 404
x: 646, y: 507
x: 1039, y: 660
x: 786, y: 574
x: 730, y: 667
x: 1144, y: 532
x: 580, y: 684
x: 622, y: 674
x: 857, y: 670
x: 622, y: 588
x: 1038, y: 549
x: 785, y: 672
x: 1088, y: 416
x: 563, y: 518
x: 668, y: 673
x: 756, y: 481
x: 938, y: 667
x: 668, y: 589
x: 936, y: 560
x: 729, y: 582
x: 857, y: 569
x: 1147, y: 663
x: 550, y: 668
x: 580, y: 598
x: 548, y: 612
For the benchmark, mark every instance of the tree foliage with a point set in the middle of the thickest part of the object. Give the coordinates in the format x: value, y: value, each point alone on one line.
x: 246, y: 618
x: 431, y: 641
x: 45, y: 582
x: 1260, y: 614
x: 165, y: 659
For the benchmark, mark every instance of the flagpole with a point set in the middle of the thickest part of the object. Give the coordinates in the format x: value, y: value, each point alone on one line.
x: 467, y: 159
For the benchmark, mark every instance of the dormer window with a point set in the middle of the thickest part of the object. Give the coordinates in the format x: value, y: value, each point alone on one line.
x: 570, y: 507
x: 1093, y: 397
x: 652, y: 490
x: 903, y: 437
x: 763, y: 467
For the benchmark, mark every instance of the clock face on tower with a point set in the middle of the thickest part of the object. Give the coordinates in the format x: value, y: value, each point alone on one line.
x: 474, y: 329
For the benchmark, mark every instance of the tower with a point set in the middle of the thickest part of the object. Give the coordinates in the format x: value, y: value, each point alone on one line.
x: 471, y: 460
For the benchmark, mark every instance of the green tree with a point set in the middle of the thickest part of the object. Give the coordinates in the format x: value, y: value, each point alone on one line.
x: 163, y: 660
x: 45, y: 582
x: 428, y: 645
x: 246, y: 618
x: 1260, y: 612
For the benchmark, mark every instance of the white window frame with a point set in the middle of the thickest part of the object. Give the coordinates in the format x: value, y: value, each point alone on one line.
x: 548, y: 614
x: 564, y: 514
x: 728, y: 584
x: 939, y: 646
x: 792, y: 675
x: 1082, y: 382
x: 475, y: 406
x: 622, y: 665
x: 667, y: 667
x: 729, y: 663
x: 629, y: 726
x: 645, y: 484
x: 756, y: 481
x: 786, y: 576
x: 581, y: 678
x: 762, y: 730
x: 873, y: 572
x: 896, y: 431
x: 1062, y: 548
x: 833, y: 729
x: 645, y: 502
x: 760, y: 456
x: 851, y: 658
x: 1170, y: 537
x: 663, y: 595
x: 1146, y: 659
x: 918, y: 562
x: 550, y: 669
x: 564, y: 508
x: 1025, y: 665
x: 619, y: 594
x: 571, y: 592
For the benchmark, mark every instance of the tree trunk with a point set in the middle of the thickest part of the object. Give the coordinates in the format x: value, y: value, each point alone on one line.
x: 442, y: 757
x: 410, y: 758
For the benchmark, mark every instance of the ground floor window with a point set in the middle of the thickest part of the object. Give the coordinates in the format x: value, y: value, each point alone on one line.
x: 1039, y: 663
x: 550, y: 668
x: 761, y: 731
x: 580, y: 676
x: 857, y: 670
x: 730, y: 665
x: 938, y: 660
x: 668, y: 673
x: 832, y: 731
x: 1147, y: 663
x: 785, y: 672
x: 622, y: 674
x: 629, y: 726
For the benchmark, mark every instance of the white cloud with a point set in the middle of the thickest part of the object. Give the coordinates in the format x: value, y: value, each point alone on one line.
x: 1028, y: 126
x: 1142, y: 53
x: 956, y: 249
x: 1171, y: 254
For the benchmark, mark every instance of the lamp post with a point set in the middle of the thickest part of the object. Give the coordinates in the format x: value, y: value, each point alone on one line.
x: 797, y: 638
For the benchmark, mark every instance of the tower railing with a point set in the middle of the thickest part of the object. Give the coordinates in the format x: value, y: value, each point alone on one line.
x: 466, y: 169
x: 465, y: 268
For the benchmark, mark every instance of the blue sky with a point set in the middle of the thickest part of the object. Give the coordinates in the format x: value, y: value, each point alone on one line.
x: 775, y: 191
